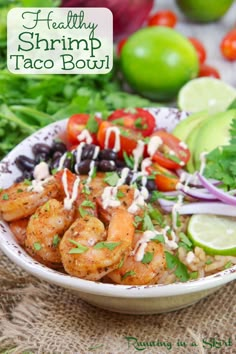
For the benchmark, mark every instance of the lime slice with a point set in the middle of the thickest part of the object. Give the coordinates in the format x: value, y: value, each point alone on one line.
x: 215, y: 234
x: 206, y: 93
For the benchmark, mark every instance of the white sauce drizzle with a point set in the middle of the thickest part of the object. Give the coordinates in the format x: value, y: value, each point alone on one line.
x: 183, y: 145
x: 172, y: 244
x: 116, y: 131
x: 86, y: 136
x: 202, y: 159
x: 61, y: 162
x: 96, y: 152
x: 141, y: 245
x: 41, y: 171
x: 69, y: 200
x: 79, y: 152
x: 91, y: 169
x: 154, y: 144
x: 109, y: 195
x: 139, y: 200
x: 41, y: 176
x: 138, y: 154
x: 175, y: 210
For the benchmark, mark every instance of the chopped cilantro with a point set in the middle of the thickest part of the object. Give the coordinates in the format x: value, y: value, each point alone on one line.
x: 208, y: 261
x: 54, y: 171
x: 220, y: 162
x: 88, y: 203
x: 148, y: 257
x: 37, y: 246
x: 5, y: 196
x: 92, y: 124
x: 137, y: 220
x: 193, y: 275
x: 228, y: 265
x: 120, y: 194
x: 79, y: 248
x: 1, y: 189
x: 111, y: 178
x: 181, y: 271
x: 158, y: 195
x: 94, y: 172
x: 86, y: 190
x: 128, y: 274
x: 147, y: 222
x: 27, y: 182
x: 121, y: 263
x: 185, y: 242
x: 109, y: 245
x: 139, y: 123
x: 83, y: 212
x: 158, y: 238
x: 47, y: 206
x: 20, y: 190
x: 55, y: 241
x: 156, y: 215
x: 124, y: 132
x: 35, y: 216
x: 147, y: 139
x: 129, y: 160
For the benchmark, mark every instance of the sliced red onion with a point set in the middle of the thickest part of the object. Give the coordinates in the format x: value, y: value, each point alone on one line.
x: 166, y: 203
x: 200, y: 193
x: 203, y: 208
x: 207, y: 208
x: 192, y: 179
x: 218, y: 193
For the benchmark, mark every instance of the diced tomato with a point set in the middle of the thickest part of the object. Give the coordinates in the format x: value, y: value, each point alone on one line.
x: 126, y: 138
x: 165, y: 179
x: 137, y: 119
x: 77, y: 123
x: 228, y: 45
x: 172, y: 153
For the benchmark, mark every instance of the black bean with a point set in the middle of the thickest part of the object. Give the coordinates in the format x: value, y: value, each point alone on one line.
x: 54, y: 163
x: 41, y: 149
x: 107, y: 154
x: 84, y: 167
x: 151, y: 185
x: 88, y: 152
x: 58, y: 146
x: 42, y: 156
x: 24, y: 163
x: 120, y: 163
x: 57, y: 155
x: 25, y: 175
x: 106, y: 166
x: 129, y: 178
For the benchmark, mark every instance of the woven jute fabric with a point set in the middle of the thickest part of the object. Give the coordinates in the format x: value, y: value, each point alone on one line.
x: 36, y: 317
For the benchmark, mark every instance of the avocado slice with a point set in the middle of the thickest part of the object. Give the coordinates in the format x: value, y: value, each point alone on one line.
x: 215, y: 131
x: 186, y: 126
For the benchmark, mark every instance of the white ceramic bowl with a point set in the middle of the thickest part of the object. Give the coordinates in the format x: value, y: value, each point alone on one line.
x: 120, y: 298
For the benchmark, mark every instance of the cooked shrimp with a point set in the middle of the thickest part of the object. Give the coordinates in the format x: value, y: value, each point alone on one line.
x: 18, y: 202
x: 134, y: 272
x: 18, y: 228
x: 90, y: 251
x: 126, y: 197
x: 45, y: 229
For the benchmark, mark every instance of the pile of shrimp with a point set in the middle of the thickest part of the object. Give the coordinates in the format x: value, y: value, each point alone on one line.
x: 96, y: 245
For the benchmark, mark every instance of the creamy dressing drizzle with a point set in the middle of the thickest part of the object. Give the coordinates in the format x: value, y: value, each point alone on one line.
x: 190, y: 257
x: 91, y: 169
x: 141, y: 245
x: 138, y: 154
x: 69, y: 200
x: 61, y: 162
x: 86, y: 136
x: 109, y: 195
x: 172, y: 244
x: 175, y: 210
x: 41, y: 176
x: 154, y: 144
x: 79, y: 150
x: 183, y: 145
x: 202, y: 159
x: 96, y: 152
x: 116, y: 131
x: 139, y: 200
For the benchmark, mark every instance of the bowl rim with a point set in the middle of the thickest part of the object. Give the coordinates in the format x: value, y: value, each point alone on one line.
x: 98, y: 288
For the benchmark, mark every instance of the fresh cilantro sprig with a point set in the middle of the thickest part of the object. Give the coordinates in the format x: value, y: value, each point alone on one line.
x: 180, y: 271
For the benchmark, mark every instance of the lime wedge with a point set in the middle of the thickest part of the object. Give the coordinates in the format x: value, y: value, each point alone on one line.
x: 215, y: 234
x: 206, y: 93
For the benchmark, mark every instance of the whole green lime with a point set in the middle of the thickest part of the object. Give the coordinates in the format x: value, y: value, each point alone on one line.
x: 157, y: 62
x: 204, y: 10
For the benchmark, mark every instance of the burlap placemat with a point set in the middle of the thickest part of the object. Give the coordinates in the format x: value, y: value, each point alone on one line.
x: 36, y: 317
